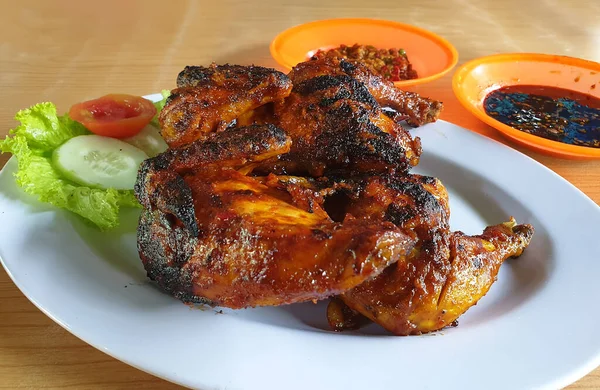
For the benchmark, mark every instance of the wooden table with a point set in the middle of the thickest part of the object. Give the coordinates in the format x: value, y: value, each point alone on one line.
x: 68, y: 51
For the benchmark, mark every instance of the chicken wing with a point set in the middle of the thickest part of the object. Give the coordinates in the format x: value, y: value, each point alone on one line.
x: 211, y: 234
x: 210, y: 99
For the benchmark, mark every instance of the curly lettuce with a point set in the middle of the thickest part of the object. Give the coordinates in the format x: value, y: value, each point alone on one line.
x: 159, y: 105
x: 41, y: 131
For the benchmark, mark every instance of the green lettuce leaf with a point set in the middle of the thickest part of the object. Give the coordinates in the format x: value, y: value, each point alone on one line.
x: 159, y: 106
x: 43, y: 129
x: 32, y: 142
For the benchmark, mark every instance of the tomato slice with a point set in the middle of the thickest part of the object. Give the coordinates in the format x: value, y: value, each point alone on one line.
x: 114, y: 115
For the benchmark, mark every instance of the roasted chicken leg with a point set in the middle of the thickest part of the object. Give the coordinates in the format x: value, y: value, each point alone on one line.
x: 439, y: 282
x: 445, y: 274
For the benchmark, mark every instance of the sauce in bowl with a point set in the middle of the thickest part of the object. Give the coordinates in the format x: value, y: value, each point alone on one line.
x: 553, y: 113
x: 391, y: 64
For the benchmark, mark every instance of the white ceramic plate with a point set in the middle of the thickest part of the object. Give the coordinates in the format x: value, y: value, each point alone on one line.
x: 537, y: 328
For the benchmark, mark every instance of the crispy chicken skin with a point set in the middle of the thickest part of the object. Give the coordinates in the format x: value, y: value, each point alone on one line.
x: 333, y: 118
x: 210, y: 99
x: 160, y: 183
x: 211, y: 234
x: 418, y: 110
x: 342, y: 125
x: 446, y: 273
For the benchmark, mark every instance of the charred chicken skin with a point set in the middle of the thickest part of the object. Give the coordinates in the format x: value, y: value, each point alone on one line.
x: 447, y: 272
x: 342, y: 126
x: 280, y: 189
x: 417, y: 109
x: 331, y: 115
x: 210, y: 99
x: 214, y: 235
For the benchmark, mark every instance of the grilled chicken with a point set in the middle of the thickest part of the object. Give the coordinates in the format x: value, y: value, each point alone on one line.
x: 335, y: 119
x: 446, y: 273
x: 282, y: 189
x: 417, y: 109
x: 342, y: 126
x: 210, y: 99
x: 211, y: 234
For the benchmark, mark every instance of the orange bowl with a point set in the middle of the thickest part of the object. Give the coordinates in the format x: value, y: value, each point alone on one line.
x: 431, y: 55
x: 474, y: 80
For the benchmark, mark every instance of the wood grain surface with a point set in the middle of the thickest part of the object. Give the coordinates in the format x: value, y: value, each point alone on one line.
x: 67, y: 51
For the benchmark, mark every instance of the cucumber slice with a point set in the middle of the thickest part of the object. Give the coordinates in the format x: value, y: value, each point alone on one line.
x: 97, y: 161
x: 149, y: 140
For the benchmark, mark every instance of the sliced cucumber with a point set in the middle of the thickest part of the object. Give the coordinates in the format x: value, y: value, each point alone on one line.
x: 96, y: 161
x: 149, y: 140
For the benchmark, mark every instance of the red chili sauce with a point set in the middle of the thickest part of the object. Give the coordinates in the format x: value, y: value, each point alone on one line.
x: 391, y: 64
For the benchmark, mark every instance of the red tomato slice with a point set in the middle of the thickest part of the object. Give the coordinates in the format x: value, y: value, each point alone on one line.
x: 114, y: 115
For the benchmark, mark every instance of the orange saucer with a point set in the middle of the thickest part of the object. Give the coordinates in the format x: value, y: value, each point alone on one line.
x: 475, y: 79
x: 431, y: 55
